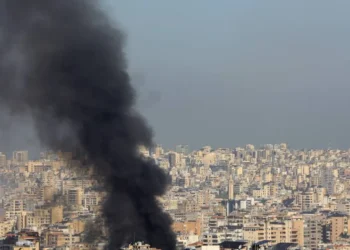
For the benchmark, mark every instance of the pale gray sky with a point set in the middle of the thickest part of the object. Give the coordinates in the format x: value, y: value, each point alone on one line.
x: 230, y: 73
x: 236, y: 72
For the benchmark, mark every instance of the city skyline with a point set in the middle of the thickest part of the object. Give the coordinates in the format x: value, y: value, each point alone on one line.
x: 271, y: 196
x: 184, y: 147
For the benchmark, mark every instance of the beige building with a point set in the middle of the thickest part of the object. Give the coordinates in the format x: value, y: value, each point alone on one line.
x: 76, y: 226
x: 306, y: 200
x: 20, y: 156
x: 74, y: 196
x: 36, y: 166
x: 15, y: 208
x: 239, y: 171
x: 188, y: 227
x: 298, y: 230
x: 56, y: 214
x: 254, y: 232
x: 53, y: 238
x: 288, y: 230
x: 39, y: 217
x: 6, y: 226
x: 338, y: 225
x: 231, y: 194
x: 92, y: 199
x: 267, y: 191
x: 3, y: 160
x: 82, y: 183
x: 203, y: 198
x: 47, y: 193
x: 313, y: 230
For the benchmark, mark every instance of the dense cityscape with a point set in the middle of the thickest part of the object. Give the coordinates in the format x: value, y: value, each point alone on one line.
x: 95, y: 83
x: 271, y: 197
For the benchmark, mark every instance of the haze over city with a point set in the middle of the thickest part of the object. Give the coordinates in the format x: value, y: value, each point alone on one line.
x: 243, y: 72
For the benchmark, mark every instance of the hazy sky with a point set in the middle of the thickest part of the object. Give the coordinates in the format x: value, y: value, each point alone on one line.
x: 230, y: 73
x: 236, y: 72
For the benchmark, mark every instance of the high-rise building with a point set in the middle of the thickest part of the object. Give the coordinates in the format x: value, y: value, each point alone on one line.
x: 297, y: 234
x: 20, y: 156
x: 15, y: 208
x: 56, y: 214
x: 173, y: 159
x: 74, y: 196
x: 158, y: 151
x: 338, y: 226
x: 231, y: 194
x: 306, y: 200
x: 290, y: 230
x: 3, y: 161
x: 313, y: 230
x: 328, y: 179
x: 47, y: 193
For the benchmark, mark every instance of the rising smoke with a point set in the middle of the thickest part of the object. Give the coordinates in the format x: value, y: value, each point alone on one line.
x: 62, y: 63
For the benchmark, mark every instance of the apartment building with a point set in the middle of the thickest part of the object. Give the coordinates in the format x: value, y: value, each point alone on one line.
x: 230, y: 233
x: 313, y: 230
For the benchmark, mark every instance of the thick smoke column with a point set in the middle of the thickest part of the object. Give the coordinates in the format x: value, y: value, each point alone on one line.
x: 62, y: 63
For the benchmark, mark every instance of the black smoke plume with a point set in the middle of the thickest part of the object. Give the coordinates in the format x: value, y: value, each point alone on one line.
x: 63, y: 64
